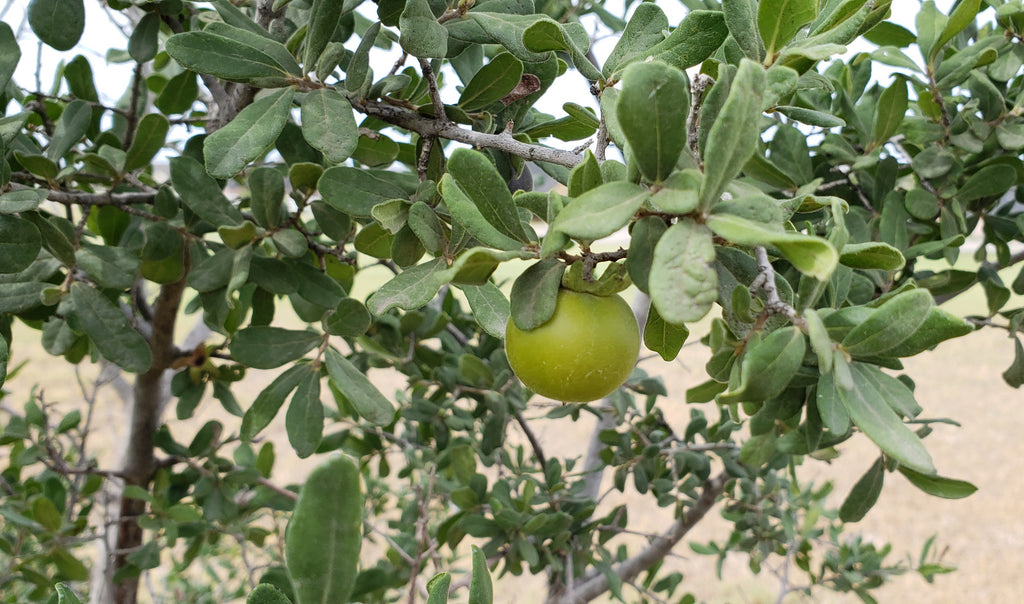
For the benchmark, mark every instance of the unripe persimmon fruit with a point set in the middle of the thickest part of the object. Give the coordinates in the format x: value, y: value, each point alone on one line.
x: 584, y: 352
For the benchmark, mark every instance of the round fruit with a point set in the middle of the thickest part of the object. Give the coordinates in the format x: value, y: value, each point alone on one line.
x: 584, y: 352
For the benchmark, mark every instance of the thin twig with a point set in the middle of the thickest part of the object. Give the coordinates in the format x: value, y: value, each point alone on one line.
x: 765, y: 280
x: 537, y: 450
x: 698, y: 88
x: 435, y: 93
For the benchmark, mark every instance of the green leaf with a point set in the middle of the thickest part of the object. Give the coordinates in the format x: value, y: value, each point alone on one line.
x: 264, y: 347
x: 349, y: 319
x: 110, y: 330
x: 230, y: 58
x: 547, y: 34
x: 864, y: 493
x: 65, y: 595
x: 144, y: 41
x: 939, y: 326
x: 1014, y: 374
x: 71, y: 127
x: 328, y: 124
x: 696, y: 38
x: 325, y: 534
x: 422, y: 36
x: 492, y: 82
x: 427, y: 226
x: 741, y: 18
x: 870, y: 412
x: 359, y: 66
x: 682, y: 282
x: 236, y: 17
x: 481, y: 590
x: 646, y: 28
x: 734, y: 136
x: 323, y: 20
x: 266, y: 196
x: 265, y: 593
x: 467, y: 214
x: 833, y: 414
x: 477, y: 177
x: 19, y: 297
x: 821, y: 343
x: 947, y: 488
x: 410, y: 289
x: 892, y: 106
x: 112, y: 267
x: 201, y: 193
x: 437, y: 588
x: 643, y: 239
x: 22, y: 200
x: 872, y: 255
x: 58, y: 23
x: 367, y: 400
x: 600, y: 212
x: 20, y: 243
x: 490, y: 307
x: 10, y: 54
x: 812, y: 256
x: 149, y: 139
x: 535, y: 293
x: 304, y: 420
x: 780, y: 20
x: 230, y: 149
x: 987, y: 182
x: 269, y: 401
x: 962, y: 16
x: 355, y: 192
x: 892, y: 323
x: 663, y: 337
x: 811, y: 117
x: 652, y: 111
x: 768, y: 368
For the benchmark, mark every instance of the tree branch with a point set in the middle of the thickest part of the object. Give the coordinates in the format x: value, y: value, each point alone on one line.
x: 427, y: 126
x: 659, y: 547
x: 94, y: 199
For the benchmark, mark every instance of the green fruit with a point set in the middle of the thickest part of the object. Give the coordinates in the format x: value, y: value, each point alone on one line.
x: 584, y: 352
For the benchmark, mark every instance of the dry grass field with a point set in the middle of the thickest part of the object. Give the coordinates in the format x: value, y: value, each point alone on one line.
x: 983, y: 536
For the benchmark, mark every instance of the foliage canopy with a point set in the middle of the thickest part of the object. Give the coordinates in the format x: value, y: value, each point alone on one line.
x: 802, y: 207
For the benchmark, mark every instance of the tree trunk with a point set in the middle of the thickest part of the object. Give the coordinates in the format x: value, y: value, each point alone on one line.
x: 140, y: 460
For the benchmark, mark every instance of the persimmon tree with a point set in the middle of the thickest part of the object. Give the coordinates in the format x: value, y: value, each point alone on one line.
x: 732, y: 170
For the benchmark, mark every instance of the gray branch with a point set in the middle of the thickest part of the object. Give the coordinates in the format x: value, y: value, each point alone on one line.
x: 659, y: 547
x: 427, y: 126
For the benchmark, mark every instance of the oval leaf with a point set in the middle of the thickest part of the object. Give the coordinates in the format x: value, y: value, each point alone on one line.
x: 110, y: 330
x: 367, y: 400
x: 872, y: 414
x: 248, y: 136
x: 652, y: 111
x: 265, y: 347
x: 683, y: 285
x: 601, y: 211
x: 328, y: 124
x: 325, y: 534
